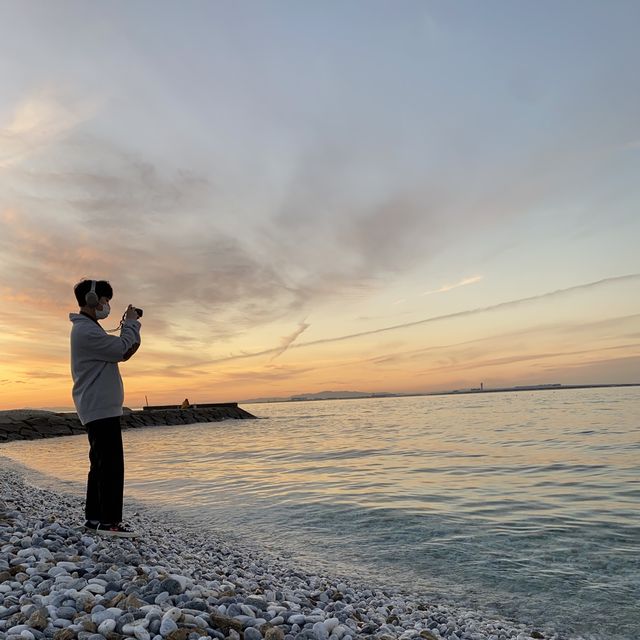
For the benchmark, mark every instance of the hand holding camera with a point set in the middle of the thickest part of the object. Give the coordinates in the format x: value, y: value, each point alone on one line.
x: 132, y: 313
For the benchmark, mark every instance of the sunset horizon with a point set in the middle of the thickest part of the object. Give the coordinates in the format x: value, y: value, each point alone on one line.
x: 401, y: 199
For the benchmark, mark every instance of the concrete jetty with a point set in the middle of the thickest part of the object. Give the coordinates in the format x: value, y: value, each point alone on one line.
x: 31, y: 424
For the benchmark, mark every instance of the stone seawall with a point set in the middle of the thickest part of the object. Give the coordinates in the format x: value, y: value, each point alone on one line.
x: 32, y: 425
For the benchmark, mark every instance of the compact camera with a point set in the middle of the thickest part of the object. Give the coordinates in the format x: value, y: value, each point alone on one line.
x: 138, y: 311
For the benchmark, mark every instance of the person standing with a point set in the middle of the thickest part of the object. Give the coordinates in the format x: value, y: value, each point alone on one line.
x: 98, y: 395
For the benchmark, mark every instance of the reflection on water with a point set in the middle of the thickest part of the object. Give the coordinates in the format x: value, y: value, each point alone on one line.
x: 525, y: 503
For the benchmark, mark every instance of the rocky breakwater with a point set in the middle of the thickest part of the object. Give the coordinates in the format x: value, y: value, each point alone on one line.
x: 28, y: 424
x: 178, y: 582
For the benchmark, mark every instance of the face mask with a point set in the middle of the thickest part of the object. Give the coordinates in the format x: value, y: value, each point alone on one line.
x: 106, y: 309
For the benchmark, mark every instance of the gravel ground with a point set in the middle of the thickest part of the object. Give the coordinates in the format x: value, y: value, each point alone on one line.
x: 176, y: 582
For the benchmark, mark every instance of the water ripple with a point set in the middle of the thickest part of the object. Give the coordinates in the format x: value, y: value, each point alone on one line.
x: 526, y: 504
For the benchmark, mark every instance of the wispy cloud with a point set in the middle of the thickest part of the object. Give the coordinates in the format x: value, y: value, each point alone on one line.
x: 618, y: 326
x: 37, y: 122
x: 448, y: 287
x: 287, y: 341
x: 477, y: 310
x: 632, y: 145
x: 459, y: 314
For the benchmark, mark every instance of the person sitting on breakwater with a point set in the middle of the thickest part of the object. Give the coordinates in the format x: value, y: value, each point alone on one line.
x: 98, y: 395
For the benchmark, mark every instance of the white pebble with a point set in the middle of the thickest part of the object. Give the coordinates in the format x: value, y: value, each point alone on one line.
x: 106, y: 626
x: 173, y: 614
x: 331, y: 623
x: 320, y: 631
x: 141, y: 633
x: 167, y: 626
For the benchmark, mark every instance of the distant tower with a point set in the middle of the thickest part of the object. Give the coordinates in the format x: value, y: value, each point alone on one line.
x: 482, y: 386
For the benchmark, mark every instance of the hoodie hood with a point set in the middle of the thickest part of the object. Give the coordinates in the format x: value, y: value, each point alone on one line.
x: 76, y: 317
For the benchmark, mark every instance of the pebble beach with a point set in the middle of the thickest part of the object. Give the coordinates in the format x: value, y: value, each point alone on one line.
x: 179, y: 583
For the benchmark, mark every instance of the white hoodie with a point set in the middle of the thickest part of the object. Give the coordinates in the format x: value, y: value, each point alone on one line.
x: 97, y: 385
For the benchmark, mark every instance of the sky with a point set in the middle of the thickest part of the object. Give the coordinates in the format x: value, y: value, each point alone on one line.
x: 397, y: 196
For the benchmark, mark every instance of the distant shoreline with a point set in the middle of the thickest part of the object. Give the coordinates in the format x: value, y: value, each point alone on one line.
x: 453, y: 392
x: 368, y: 396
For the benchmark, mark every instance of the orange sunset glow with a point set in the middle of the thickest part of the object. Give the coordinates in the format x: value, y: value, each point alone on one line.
x: 381, y: 205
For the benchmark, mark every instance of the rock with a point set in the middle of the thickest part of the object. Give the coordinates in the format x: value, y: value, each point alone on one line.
x: 181, y: 580
x: 256, y: 601
x: 116, y: 600
x: 251, y: 633
x: 173, y: 614
x: 64, y: 634
x: 67, y: 612
x: 106, y: 626
x: 162, y: 597
x: 141, y: 633
x: 274, y: 633
x: 171, y: 586
x: 320, y: 631
x: 167, y: 626
x: 331, y: 623
x: 224, y: 623
x: 39, y: 619
x: 133, y: 602
x: 17, y: 629
x: 112, y: 613
x: 179, y: 634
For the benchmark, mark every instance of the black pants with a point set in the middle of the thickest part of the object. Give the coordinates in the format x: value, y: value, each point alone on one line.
x: 105, y: 484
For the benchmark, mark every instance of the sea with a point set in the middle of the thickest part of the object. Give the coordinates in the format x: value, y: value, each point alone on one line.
x: 523, y: 505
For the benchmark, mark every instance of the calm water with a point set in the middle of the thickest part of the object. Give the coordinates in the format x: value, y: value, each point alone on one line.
x: 524, y: 504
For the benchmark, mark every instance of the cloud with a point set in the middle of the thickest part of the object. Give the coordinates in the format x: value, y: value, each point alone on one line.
x: 612, y: 370
x: 477, y: 310
x: 158, y: 235
x: 443, y: 289
x: 287, y: 341
x: 448, y: 287
x: 46, y: 375
x: 610, y: 326
x: 449, y: 316
x: 36, y: 123
x: 528, y: 357
x: 269, y: 374
x: 146, y: 231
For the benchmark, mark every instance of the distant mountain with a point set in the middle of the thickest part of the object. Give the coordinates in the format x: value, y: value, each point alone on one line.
x: 323, y: 395
x: 330, y: 395
x: 344, y: 395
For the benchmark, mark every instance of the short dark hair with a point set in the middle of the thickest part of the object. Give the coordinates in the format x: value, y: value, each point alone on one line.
x: 103, y: 290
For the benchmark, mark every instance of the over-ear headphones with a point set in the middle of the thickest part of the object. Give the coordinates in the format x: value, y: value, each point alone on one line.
x: 91, y: 298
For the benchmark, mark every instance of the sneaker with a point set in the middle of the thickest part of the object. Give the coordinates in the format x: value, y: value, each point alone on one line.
x: 115, y: 530
x: 91, y: 525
